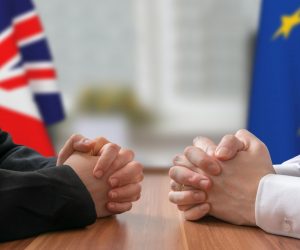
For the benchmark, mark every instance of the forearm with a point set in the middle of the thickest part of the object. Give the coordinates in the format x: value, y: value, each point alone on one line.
x: 278, y: 204
x: 40, y: 201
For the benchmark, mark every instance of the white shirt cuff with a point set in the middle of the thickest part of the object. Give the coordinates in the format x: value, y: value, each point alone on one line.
x: 290, y: 167
x: 277, y: 205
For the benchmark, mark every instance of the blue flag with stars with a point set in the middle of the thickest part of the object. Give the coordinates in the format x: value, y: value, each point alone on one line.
x: 274, y: 111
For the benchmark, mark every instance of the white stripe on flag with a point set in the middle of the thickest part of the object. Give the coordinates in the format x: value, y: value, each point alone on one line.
x: 5, y: 75
x: 39, y: 65
x: 6, y: 33
x: 31, y: 39
x: 11, y: 63
x: 43, y: 86
x: 19, y: 100
x: 24, y: 16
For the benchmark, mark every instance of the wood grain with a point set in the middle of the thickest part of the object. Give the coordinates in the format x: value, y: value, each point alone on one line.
x: 154, y: 223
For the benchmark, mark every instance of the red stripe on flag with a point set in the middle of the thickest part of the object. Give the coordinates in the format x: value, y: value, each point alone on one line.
x: 14, y: 82
x: 26, y: 131
x: 29, y: 27
x: 41, y: 74
x: 8, y: 50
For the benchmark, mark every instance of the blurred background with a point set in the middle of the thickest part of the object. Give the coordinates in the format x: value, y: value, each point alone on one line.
x: 152, y: 75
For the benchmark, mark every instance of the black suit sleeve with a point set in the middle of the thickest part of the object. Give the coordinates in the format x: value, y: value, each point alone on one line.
x: 46, y: 199
x: 20, y: 158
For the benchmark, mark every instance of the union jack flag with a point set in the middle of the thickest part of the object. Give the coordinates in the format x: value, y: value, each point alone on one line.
x: 29, y: 97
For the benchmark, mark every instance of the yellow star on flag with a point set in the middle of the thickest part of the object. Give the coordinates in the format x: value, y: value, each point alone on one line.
x: 288, y: 23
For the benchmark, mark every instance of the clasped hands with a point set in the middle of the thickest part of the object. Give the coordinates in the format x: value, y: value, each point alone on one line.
x: 220, y: 180
x: 108, y: 172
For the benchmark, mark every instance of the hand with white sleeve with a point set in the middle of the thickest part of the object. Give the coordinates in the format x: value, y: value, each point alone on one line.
x: 231, y: 185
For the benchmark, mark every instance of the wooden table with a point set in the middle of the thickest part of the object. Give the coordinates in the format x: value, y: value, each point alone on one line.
x: 156, y: 224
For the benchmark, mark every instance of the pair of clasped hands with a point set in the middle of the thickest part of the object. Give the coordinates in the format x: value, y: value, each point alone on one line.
x: 107, y: 171
x: 220, y: 180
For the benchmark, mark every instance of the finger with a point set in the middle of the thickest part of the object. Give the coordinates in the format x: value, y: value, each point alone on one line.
x: 197, y: 212
x: 99, y: 143
x: 187, y: 197
x: 129, y: 174
x: 128, y: 193
x: 188, y: 177
x: 206, y: 144
x: 68, y: 148
x: 178, y: 187
x: 250, y: 141
x: 84, y: 145
x: 124, y: 157
x: 108, y: 154
x: 185, y: 207
x: 181, y: 160
x: 118, y: 207
x: 228, y: 148
x: 201, y: 160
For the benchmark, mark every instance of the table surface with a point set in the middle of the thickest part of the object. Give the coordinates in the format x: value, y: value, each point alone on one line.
x: 155, y: 223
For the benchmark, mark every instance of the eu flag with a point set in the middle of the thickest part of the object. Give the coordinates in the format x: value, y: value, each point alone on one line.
x: 274, y: 112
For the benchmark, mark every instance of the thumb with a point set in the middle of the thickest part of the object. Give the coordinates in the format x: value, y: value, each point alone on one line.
x: 229, y: 146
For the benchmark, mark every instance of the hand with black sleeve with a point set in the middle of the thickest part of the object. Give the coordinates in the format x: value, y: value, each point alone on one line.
x: 36, y: 196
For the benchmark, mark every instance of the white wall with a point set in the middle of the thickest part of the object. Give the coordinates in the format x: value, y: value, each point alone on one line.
x: 189, y: 61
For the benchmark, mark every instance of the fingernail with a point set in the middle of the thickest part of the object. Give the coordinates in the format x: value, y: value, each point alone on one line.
x: 113, y: 182
x: 113, y: 195
x: 99, y: 173
x: 223, y: 152
x: 198, y: 196
x: 204, y: 184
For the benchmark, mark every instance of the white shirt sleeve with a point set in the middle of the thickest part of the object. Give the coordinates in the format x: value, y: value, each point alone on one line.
x: 277, y: 206
x: 290, y: 167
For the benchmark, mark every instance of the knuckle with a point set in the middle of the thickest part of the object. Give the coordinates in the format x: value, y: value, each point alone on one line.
x: 259, y: 145
x: 188, y: 150
x: 101, y: 139
x: 176, y: 159
x: 241, y: 132
x: 172, y: 172
x: 127, y: 152
x: 76, y: 136
x: 201, y: 140
x: 113, y: 146
x: 229, y: 138
x: 137, y: 167
x: 130, y: 153
x: 197, y: 139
